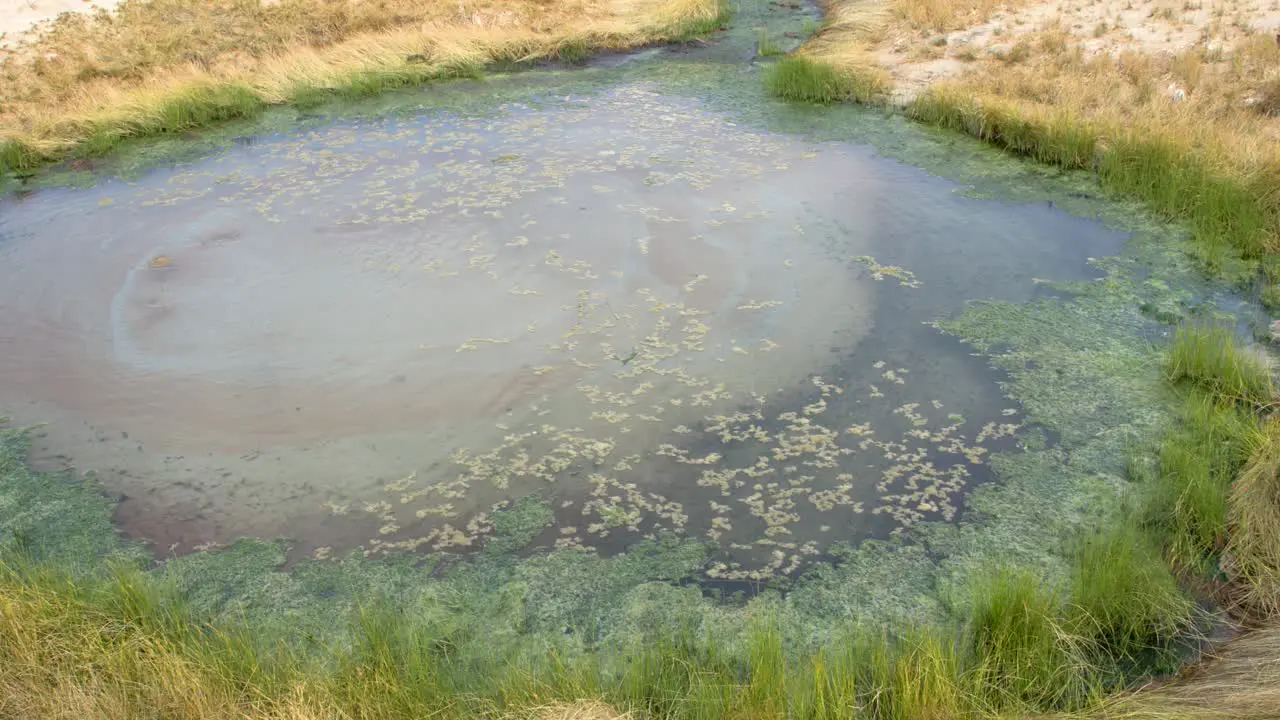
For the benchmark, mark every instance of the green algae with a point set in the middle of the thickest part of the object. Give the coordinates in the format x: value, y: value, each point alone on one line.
x: 55, y: 518
x: 1086, y: 370
x: 891, y: 580
x: 576, y: 596
x: 516, y: 527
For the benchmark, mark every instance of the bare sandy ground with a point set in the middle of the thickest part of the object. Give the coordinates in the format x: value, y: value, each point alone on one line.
x: 1152, y: 27
x: 17, y: 17
x: 1161, y: 27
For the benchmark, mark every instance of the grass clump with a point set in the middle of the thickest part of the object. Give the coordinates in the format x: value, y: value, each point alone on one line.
x: 119, y: 647
x: 1251, y: 558
x: 196, y: 106
x: 1217, y: 494
x: 1025, y: 657
x: 1125, y: 598
x: 766, y: 46
x: 1198, y: 462
x: 808, y: 80
x: 1208, y: 357
x: 928, y: 678
x: 1270, y: 297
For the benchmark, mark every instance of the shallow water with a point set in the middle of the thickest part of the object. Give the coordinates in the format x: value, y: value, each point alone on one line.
x: 374, y: 331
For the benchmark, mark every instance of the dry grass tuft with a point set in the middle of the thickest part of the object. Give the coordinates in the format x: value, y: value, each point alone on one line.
x: 943, y: 15
x: 579, y: 710
x: 1241, y: 679
x: 850, y: 29
x: 1268, y: 99
x: 160, y: 66
x: 1215, y: 119
x: 62, y: 659
x: 1252, y: 556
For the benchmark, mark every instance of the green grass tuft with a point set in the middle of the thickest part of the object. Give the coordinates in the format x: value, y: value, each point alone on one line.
x: 1198, y: 461
x: 1270, y: 297
x: 1023, y: 656
x: 1207, y: 356
x: 928, y: 678
x: 17, y: 157
x: 806, y: 80
x: 767, y: 689
x: 366, y: 84
x: 574, y: 52
x: 197, y: 107
x: 694, y: 27
x: 765, y: 45
x: 1124, y: 597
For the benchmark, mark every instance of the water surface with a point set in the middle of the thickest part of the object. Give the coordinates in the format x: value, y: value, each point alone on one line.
x: 373, y: 331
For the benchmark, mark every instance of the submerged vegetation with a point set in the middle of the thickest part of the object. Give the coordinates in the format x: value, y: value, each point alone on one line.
x: 110, y: 639
x: 87, y: 82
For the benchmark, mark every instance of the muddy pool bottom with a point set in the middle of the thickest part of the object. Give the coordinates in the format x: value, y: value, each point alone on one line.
x: 375, y: 333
